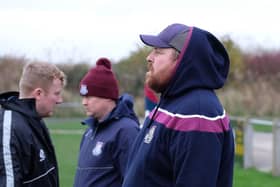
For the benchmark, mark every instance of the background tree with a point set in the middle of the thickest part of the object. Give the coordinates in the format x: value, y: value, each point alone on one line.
x: 10, y: 72
x: 237, y: 65
x: 131, y: 72
x: 74, y: 72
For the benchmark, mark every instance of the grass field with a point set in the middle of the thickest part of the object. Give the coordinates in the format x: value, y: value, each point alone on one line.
x: 67, y: 147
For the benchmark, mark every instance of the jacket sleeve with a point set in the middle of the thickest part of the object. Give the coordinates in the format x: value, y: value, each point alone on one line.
x: 124, y: 142
x: 196, y: 158
x: 10, y: 167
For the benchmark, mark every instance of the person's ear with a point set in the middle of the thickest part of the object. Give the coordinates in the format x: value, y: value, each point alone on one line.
x: 37, y: 93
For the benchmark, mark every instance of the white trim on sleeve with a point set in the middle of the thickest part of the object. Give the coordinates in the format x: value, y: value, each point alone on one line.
x: 7, y: 123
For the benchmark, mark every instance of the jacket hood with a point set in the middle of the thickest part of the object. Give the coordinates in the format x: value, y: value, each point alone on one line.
x: 203, y: 63
x: 124, y: 108
x: 11, y: 101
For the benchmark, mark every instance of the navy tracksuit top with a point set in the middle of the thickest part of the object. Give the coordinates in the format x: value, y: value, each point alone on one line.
x: 187, y: 140
x: 105, y: 145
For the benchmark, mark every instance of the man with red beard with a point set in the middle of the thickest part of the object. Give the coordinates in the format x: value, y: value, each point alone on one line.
x: 187, y: 139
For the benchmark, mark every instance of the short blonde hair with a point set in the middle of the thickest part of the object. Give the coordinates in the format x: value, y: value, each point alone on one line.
x: 39, y: 75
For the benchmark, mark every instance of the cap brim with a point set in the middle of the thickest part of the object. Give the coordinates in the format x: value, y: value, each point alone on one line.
x: 153, y: 41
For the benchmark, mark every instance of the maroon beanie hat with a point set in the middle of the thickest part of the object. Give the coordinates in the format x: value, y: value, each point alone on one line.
x: 100, y: 81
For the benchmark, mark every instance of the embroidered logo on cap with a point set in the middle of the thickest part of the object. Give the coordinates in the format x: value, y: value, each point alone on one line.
x: 97, y: 150
x: 149, y: 136
x: 83, y: 90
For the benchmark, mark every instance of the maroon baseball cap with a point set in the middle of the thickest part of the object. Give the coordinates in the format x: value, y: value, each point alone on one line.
x: 173, y: 36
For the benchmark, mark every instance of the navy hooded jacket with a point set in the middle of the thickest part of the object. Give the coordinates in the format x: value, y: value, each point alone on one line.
x: 105, y: 145
x: 187, y: 140
x: 27, y: 155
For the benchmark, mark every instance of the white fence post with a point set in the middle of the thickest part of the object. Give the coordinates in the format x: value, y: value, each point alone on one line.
x: 248, y: 144
x: 276, y: 149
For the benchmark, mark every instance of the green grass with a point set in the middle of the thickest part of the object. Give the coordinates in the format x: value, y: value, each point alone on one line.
x: 263, y: 128
x: 253, y: 178
x: 67, y: 148
x: 256, y: 127
x: 68, y: 123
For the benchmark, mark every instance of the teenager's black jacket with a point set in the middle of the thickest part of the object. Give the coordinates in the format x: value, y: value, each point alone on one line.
x: 27, y: 156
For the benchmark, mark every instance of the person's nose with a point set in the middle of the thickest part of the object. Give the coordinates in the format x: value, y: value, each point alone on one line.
x: 149, y: 58
x: 84, y: 101
x: 60, y: 100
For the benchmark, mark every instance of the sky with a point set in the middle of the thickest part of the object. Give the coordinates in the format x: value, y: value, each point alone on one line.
x: 84, y: 30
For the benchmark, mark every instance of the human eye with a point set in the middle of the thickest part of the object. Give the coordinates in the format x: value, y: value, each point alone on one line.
x: 58, y: 93
x: 158, y: 51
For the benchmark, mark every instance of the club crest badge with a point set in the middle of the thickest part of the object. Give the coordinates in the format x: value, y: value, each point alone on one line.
x: 149, y: 136
x: 83, y: 89
x: 97, y: 150
x: 42, y: 155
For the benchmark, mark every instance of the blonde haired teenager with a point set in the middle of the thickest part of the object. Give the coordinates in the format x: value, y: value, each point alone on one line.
x: 27, y: 156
